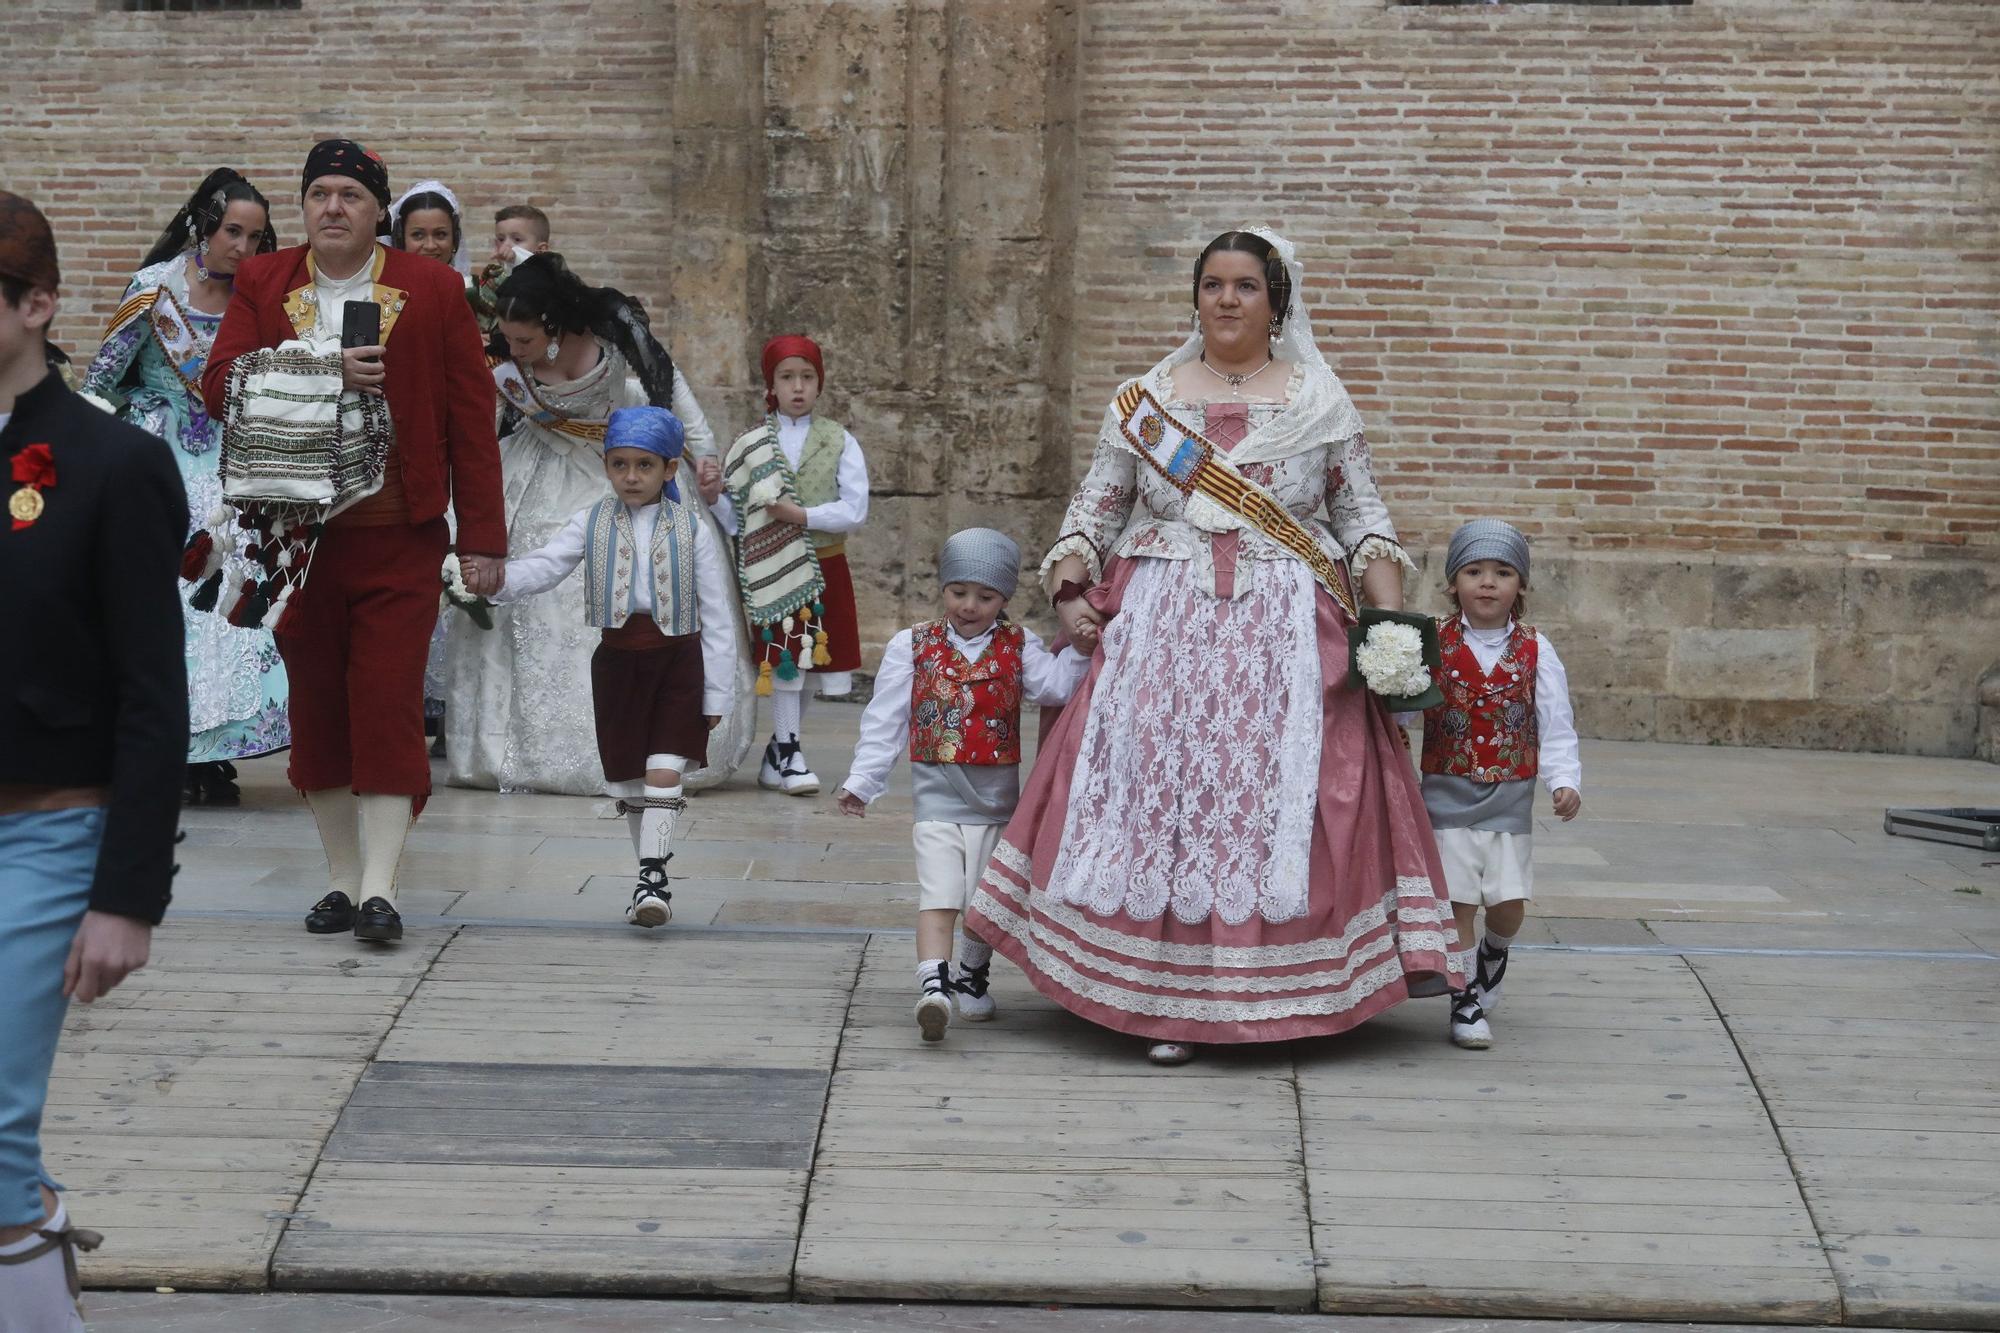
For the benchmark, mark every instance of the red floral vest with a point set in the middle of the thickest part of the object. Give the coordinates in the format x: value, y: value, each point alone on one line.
x: 1485, y: 729
x: 965, y: 712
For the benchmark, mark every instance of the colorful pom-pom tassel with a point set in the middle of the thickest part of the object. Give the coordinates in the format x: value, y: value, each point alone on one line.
x: 204, y: 596
x: 194, y: 556
x: 788, y: 666
x: 822, y: 655
x: 764, y: 686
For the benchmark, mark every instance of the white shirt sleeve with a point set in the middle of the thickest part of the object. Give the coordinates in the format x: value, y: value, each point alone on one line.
x: 538, y: 571
x: 1560, y: 762
x: 885, y: 725
x: 724, y: 510
x: 715, y: 598
x: 1049, y: 678
x: 850, y: 511
x: 700, y: 439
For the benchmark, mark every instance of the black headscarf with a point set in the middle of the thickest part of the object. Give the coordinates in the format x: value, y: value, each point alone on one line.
x: 344, y: 157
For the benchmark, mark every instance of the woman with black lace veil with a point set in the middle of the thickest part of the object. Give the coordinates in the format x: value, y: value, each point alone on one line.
x: 566, y: 355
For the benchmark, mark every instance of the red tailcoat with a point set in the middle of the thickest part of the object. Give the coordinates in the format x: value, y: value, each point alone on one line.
x: 1486, y: 728
x: 439, y: 389
x: 965, y: 712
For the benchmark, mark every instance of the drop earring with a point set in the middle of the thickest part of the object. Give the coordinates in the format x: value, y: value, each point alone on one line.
x: 201, y: 268
x: 1277, y: 323
x: 554, y: 348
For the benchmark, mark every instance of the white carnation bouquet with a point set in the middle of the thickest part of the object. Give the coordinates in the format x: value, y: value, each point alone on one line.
x: 1394, y: 654
x: 462, y: 597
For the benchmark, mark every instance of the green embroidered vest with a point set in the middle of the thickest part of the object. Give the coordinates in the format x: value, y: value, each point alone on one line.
x: 818, y: 473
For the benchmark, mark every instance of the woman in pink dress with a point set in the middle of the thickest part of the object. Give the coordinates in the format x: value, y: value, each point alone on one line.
x: 1224, y: 840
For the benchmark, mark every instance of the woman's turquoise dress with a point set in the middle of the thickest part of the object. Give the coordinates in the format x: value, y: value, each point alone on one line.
x: 146, y: 370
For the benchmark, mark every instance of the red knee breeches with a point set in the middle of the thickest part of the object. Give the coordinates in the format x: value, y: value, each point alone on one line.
x: 354, y: 648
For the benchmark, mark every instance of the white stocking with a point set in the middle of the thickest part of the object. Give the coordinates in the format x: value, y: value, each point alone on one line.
x: 385, y: 825
x: 788, y: 706
x: 338, y: 813
x: 657, y: 820
x: 34, y: 1296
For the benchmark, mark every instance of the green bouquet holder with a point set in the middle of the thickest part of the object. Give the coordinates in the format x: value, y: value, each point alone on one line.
x: 1426, y: 627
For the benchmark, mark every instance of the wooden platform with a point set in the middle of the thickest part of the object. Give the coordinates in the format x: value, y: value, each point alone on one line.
x: 593, y: 1110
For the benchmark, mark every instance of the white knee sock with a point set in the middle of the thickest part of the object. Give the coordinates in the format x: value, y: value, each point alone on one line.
x: 385, y: 825
x: 972, y: 952
x: 788, y: 708
x: 927, y: 972
x: 338, y: 813
x: 1462, y: 965
x: 34, y: 1296
x: 1497, y: 940
x: 656, y: 821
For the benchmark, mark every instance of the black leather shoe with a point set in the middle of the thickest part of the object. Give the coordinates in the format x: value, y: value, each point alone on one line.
x: 378, y: 920
x: 331, y: 915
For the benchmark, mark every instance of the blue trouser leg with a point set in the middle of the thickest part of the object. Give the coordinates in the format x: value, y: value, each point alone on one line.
x: 47, y: 859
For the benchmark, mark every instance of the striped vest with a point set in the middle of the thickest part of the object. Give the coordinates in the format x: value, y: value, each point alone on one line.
x: 610, y: 572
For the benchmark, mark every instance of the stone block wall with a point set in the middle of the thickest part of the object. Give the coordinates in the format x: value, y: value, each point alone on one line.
x: 1705, y: 297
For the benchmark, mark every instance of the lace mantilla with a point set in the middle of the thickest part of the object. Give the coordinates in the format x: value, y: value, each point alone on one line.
x: 1195, y: 786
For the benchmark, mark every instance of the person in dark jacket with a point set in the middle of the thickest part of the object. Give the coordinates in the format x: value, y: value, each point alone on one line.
x: 93, y: 736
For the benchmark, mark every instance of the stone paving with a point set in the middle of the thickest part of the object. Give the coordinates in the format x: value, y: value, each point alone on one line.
x: 1748, y: 1070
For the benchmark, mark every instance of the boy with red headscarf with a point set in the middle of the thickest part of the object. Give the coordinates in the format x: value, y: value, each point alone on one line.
x: 795, y: 487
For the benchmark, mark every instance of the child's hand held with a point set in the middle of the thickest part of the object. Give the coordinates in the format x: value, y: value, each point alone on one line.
x: 850, y: 804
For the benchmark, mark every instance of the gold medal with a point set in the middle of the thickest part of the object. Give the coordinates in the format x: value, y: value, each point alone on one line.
x: 25, y: 505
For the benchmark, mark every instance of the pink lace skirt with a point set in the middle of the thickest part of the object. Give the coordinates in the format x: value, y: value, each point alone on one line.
x: 1223, y: 839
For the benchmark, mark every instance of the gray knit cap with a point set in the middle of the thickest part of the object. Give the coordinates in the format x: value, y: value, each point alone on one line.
x: 983, y: 556
x: 1486, y: 539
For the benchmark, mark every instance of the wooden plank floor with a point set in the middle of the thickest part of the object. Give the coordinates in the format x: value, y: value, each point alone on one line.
x: 1607, y: 1158
x: 188, y: 1106
x: 584, y: 1111
x: 1883, y: 1077
x: 1039, y: 1159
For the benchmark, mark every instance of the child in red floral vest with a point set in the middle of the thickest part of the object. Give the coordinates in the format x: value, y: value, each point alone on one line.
x: 1505, y: 721
x: 950, y: 692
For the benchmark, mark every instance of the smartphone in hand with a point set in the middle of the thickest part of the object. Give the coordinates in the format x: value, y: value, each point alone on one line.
x: 361, y: 324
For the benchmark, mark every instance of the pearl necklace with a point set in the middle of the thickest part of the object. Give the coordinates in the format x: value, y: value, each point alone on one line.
x: 1236, y: 382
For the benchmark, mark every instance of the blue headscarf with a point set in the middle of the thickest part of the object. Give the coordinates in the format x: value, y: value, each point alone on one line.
x: 653, y: 429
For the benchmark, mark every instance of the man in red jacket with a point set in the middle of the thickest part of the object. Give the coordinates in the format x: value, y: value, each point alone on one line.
x: 355, y: 638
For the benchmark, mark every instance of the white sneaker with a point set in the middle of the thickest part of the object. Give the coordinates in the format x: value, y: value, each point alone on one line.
x: 969, y: 994
x: 1469, y: 1028
x: 934, y: 1008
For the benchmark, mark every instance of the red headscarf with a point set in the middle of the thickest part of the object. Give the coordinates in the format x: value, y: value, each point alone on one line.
x: 782, y: 346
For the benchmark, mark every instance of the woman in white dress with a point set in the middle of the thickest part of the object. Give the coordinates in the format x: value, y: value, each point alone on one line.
x: 567, y: 354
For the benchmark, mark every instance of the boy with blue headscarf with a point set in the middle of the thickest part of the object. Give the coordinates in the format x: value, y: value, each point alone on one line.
x: 657, y: 586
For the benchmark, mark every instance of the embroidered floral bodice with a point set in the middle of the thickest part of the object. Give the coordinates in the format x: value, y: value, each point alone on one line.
x: 1124, y: 508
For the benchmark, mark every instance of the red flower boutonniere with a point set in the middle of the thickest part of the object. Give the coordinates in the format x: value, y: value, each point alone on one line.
x: 34, y: 468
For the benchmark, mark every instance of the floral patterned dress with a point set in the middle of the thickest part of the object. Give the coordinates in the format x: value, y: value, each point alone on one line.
x: 1223, y: 839
x: 237, y: 690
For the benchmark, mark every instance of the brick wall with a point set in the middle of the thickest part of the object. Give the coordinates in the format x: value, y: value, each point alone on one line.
x: 1704, y: 297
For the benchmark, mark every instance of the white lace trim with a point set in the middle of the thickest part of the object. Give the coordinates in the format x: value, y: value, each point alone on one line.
x: 1198, y: 771
x: 1190, y: 1008
x: 1071, y: 545
x: 1380, y: 548
x: 1417, y: 907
